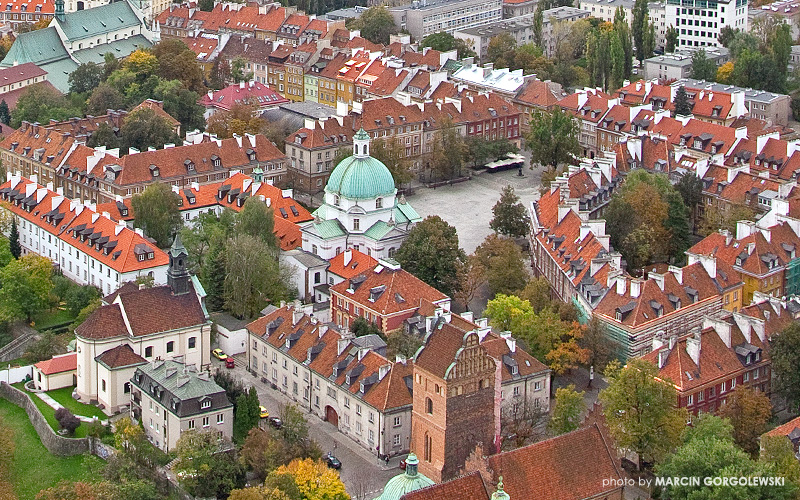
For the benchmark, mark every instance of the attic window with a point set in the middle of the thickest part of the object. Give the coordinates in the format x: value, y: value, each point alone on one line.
x: 155, y: 171
x: 189, y: 164
x: 215, y: 161
x: 206, y: 404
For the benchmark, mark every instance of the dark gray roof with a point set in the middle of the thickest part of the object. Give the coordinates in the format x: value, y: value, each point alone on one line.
x: 179, y: 388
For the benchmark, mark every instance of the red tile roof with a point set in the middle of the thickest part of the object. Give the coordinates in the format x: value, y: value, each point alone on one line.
x: 547, y: 469
x: 468, y: 487
x: 358, y: 262
x: 119, y: 357
x: 785, y: 429
x: 255, y: 92
x: 538, y: 93
x: 20, y: 72
x: 58, y: 364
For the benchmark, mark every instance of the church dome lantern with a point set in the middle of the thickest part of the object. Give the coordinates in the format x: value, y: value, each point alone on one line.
x: 360, y: 176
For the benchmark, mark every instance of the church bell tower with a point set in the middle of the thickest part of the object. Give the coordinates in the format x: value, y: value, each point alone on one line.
x: 178, y: 275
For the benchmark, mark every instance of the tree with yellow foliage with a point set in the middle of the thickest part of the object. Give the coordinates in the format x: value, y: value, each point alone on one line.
x: 141, y: 62
x: 725, y: 72
x: 314, y: 480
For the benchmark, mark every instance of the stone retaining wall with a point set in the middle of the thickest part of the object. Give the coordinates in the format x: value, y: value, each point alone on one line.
x: 55, y: 444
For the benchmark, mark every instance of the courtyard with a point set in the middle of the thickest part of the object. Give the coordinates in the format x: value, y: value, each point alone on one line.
x: 468, y: 205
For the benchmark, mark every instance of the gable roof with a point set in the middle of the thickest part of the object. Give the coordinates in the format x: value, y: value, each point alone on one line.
x: 357, y: 263
x: 468, y: 487
x: 548, y: 469
x: 58, y: 364
x: 120, y: 357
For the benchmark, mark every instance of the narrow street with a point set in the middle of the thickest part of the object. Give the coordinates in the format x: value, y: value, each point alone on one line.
x: 362, y: 473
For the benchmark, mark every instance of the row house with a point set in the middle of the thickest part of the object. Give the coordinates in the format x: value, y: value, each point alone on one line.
x: 249, y: 93
x: 341, y: 379
x: 202, y: 160
x: 569, y: 247
x: 727, y: 188
x: 766, y: 155
x: 15, y: 13
x: 588, y: 106
x: 760, y: 255
x: 707, y: 365
x: 232, y: 193
x: 87, y: 246
x: 491, y: 117
x: 16, y: 78
x: 299, y: 59
x: 311, y: 152
x: 537, y: 95
x: 207, y: 47
x: 254, y: 51
x: 257, y: 21
x: 634, y: 310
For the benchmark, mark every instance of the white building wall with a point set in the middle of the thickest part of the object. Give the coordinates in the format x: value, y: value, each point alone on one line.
x: 699, y: 22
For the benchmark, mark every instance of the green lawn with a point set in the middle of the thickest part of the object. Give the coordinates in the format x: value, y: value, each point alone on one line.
x: 64, y: 396
x: 50, y: 414
x: 47, y: 319
x: 34, y: 468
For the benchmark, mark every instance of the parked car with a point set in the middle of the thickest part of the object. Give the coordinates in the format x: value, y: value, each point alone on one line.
x: 219, y: 354
x: 276, y: 422
x: 263, y: 413
x: 332, y: 461
x: 229, y: 362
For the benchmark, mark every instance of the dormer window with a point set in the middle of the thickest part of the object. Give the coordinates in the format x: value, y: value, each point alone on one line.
x: 155, y: 171
x: 216, y: 161
x: 189, y: 164
x: 205, y: 404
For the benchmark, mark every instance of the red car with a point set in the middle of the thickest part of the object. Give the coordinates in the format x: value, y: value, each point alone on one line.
x: 229, y: 363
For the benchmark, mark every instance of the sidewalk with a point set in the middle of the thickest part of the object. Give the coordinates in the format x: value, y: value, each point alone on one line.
x: 55, y: 405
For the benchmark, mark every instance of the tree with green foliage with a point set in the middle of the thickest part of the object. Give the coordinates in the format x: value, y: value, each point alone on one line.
x: 13, y: 240
x: 553, y: 138
x: 538, y: 25
x: 206, y: 5
x: 569, y: 406
x: 623, y: 31
x: 85, y: 78
x: 78, y: 297
x: 431, y: 253
x: 448, y: 151
x: 690, y: 188
x: 703, y: 68
x: 375, y: 24
x: 42, y: 103
x: 247, y: 415
x: 522, y: 422
x: 5, y: 253
x: 5, y: 114
x: 617, y: 56
x: 47, y: 346
x: 104, y: 136
x: 639, y: 27
x: 716, y: 218
x: 26, y: 287
x: 640, y: 410
x: 203, y: 469
x: 360, y: 327
x: 726, y: 35
x: 144, y: 128
x: 253, y: 276
x: 748, y: 412
x: 596, y: 341
x: 709, y: 451
x: 779, y: 452
x: 649, y: 42
x: 181, y: 104
x: 504, y: 264
x: 103, y: 98
x: 176, y: 61
x: 213, y: 278
x: 445, y: 42
x: 501, y: 50
x: 158, y: 213
x: 256, y: 219
x: 510, y: 218
x: 785, y: 355
x: 683, y: 107
x: 393, y: 154
x: 238, y: 71
x: 207, y: 232
x: 672, y: 39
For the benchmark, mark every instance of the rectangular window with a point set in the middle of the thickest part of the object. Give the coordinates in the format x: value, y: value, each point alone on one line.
x: 148, y: 351
x: 396, y: 440
x: 170, y: 346
x: 220, y: 418
x: 191, y: 424
x: 206, y: 421
x: 192, y: 342
x: 397, y: 421
x: 358, y: 409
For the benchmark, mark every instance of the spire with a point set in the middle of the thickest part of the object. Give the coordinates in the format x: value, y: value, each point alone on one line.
x: 178, y: 275
x: 59, y: 11
x: 500, y: 494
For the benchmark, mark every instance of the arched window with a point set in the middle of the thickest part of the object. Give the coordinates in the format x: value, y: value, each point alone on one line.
x: 429, y: 406
x: 379, y: 203
x: 392, y: 251
x: 480, y: 384
x: 428, y: 446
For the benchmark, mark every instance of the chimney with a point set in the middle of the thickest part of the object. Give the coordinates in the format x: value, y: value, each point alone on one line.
x: 348, y: 256
x: 622, y: 283
x: 322, y: 330
x: 659, y: 279
x: 693, y: 348
x: 709, y: 262
x: 341, y: 345
x: 673, y: 339
x: 241, y: 85
x: 636, y: 287
x: 662, y: 358
x: 383, y: 371
x: 678, y: 273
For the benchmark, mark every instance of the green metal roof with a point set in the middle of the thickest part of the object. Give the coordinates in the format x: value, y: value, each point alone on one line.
x: 360, y: 179
x: 98, y: 20
x: 193, y: 387
x: 408, y: 213
x: 39, y: 47
x: 120, y: 48
x: 378, y: 230
x: 327, y: 229
x: 408, y: 481
x: 58, y: 73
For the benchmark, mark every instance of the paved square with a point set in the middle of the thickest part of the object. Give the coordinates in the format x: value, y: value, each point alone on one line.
x: 468, y: 205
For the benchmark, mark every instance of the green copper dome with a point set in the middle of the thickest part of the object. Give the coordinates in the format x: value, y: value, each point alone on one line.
x: 360, y: 176
x: 408, y: 481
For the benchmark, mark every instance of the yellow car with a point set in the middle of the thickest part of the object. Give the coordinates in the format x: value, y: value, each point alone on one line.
x: 219, y: 354
x: 263, y: 413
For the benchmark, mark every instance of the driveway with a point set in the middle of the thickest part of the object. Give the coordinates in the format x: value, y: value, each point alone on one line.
x: 468, y: 205
x: 363, y: 474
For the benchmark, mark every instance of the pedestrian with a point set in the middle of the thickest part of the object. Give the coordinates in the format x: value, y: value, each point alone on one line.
x: 386, y: 457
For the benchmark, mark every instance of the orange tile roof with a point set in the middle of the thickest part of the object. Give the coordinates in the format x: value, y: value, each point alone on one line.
x: 468, y: 487
x: 538, y: 93
x: 58, y: 364
x: 402, y: 290
x: 122, y: 245
x: 358, y: 263
x: 548, y: 469
x: 785, y: 429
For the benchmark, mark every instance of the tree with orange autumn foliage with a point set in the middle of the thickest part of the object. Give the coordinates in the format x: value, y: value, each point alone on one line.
x: 241, y: 119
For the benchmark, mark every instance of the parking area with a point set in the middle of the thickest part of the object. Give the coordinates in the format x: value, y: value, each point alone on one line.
x: 362, y: 473
x: 468, y: 205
